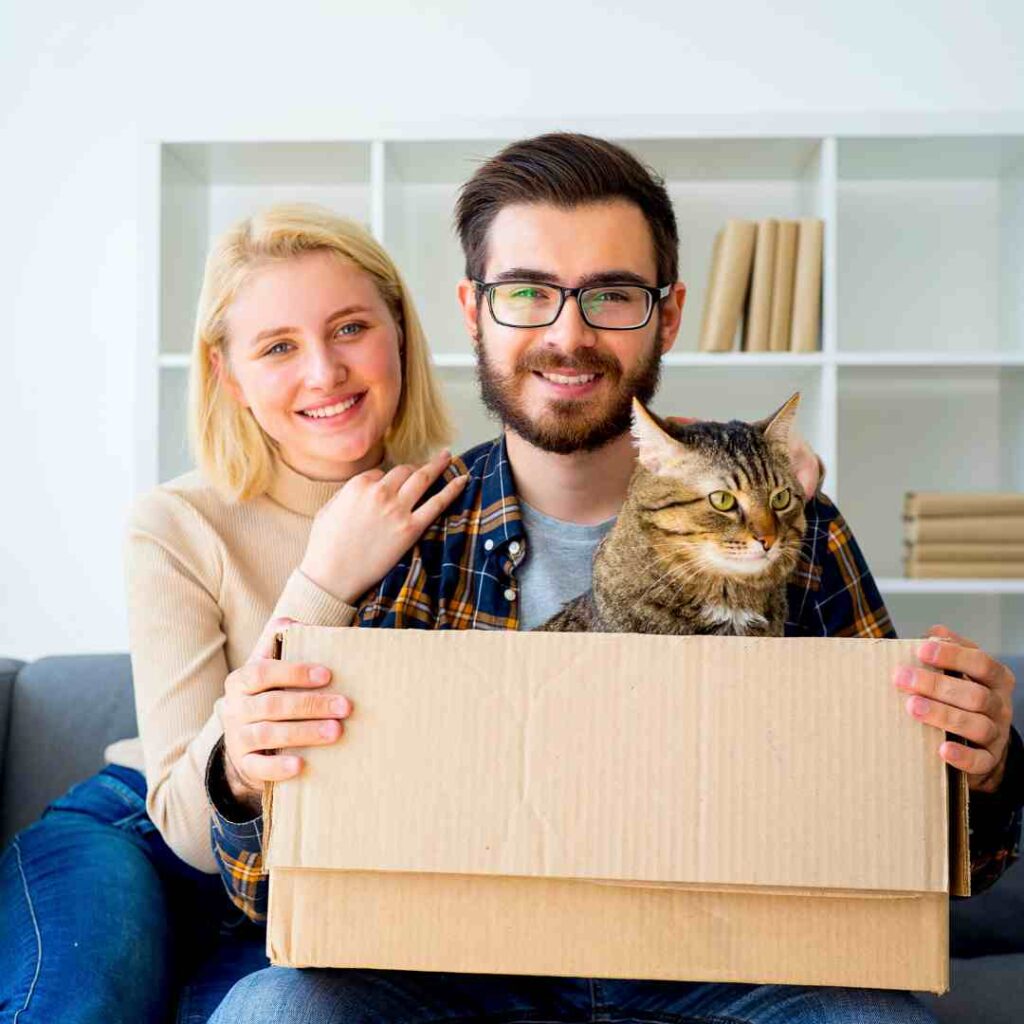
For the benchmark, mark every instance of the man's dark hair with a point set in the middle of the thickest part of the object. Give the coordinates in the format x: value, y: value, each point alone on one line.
x: 565, y: 170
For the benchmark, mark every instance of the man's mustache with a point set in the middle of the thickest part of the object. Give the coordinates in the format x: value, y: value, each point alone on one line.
x: 586, y: 360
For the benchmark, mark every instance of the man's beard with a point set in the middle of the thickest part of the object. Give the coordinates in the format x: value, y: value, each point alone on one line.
x: 568, y: 425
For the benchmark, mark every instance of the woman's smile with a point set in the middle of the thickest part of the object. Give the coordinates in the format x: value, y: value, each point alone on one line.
x: 334, y: 412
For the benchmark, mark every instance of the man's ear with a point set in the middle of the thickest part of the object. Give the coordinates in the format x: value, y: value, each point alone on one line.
x: 468, y: 293
x: 225, y: 378
x: 670, y: 316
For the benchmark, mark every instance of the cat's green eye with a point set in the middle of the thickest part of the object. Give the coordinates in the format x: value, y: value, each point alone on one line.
x: 781, y: 499
x: 722, y: 500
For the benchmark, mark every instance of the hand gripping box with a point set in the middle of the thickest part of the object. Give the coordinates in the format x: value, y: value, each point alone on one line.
x: 619, y: 806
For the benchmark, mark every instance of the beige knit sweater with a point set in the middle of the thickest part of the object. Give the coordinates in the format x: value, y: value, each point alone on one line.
x: 204, y: 575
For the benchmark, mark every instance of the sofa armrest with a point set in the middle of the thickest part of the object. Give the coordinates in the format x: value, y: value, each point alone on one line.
x: 63, y: 713
x: 8, y: 671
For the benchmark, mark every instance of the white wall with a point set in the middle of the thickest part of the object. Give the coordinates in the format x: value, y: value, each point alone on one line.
x: 82, y: 84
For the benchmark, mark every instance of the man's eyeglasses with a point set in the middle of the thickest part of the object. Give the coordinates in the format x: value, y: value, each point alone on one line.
x: 608, y: 307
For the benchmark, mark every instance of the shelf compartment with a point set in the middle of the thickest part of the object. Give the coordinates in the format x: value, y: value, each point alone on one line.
x: 207, y: 187
x: 917, y: 428
x: 930, y: 243
x: 978, y: 617
x: 903, y: 585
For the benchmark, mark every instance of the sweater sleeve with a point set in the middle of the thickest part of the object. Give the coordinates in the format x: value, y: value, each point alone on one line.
x: 177, y: 636
x: 174, y: 571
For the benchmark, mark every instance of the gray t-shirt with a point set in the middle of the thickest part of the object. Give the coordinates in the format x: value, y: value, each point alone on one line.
x: 557, y: 563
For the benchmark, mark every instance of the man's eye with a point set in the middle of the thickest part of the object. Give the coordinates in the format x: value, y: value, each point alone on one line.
x: 609, y: 296
x: 528, y: 293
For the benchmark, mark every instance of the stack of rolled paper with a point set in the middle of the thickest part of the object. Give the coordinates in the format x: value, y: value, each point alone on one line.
x: 964, y: 535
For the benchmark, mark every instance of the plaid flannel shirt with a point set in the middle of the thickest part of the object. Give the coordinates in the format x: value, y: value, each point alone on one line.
x: 462, y: 575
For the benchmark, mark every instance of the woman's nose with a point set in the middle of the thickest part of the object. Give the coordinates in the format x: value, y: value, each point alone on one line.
x: 324, y: 368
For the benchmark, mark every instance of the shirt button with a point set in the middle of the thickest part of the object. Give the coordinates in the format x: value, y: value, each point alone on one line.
x: 514, y: 548
x: 488, y: 545
x: 510, y: 594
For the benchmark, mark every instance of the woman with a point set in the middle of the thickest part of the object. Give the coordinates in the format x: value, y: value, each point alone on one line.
x: 309, y: 368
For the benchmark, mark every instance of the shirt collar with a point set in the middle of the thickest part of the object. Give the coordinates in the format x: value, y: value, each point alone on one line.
x: 501, y: 519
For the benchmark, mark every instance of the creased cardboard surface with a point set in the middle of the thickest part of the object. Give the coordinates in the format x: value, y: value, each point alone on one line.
x: 493, y: 925
x: 693, y: 760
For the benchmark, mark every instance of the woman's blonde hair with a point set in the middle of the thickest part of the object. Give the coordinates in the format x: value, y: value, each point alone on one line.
x: 229, y: 446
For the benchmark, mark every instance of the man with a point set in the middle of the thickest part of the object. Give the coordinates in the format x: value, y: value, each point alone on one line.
x: 547, y: 227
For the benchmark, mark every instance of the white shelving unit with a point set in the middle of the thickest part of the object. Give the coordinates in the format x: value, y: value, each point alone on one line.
x: 920, y: 378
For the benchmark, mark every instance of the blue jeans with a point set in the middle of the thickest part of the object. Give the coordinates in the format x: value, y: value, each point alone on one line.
x: 101, y: 923
x: 280, y: 995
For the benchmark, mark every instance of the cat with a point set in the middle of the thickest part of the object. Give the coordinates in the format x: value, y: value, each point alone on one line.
x: 710, y: 531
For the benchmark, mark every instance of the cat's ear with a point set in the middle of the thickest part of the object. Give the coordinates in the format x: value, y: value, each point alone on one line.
x: 657, y: 450
x: 777, y: 426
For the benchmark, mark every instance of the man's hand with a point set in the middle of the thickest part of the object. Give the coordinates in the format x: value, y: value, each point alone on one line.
x: 978, y: 708
x: 807, y: 467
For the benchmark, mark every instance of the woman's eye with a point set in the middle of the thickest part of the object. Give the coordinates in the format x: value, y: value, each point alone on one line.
x: 722, y: 500
x: 278, y: 348
x: 351, y: 330
x: 781, y: 499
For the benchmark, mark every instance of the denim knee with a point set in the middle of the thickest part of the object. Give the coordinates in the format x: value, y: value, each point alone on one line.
x: 275, y: 995
x: 83, y: 920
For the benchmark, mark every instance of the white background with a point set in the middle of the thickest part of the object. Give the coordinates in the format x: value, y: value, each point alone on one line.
x: 82, y: 84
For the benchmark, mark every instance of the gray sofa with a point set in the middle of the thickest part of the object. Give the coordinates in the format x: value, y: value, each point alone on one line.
x: 57, y: 714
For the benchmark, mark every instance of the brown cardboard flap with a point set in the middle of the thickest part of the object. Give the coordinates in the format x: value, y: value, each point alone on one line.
x: 543, y: 926
x: 697, y: 760
x: 959, y: 834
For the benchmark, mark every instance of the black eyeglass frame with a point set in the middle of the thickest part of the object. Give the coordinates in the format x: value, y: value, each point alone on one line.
x: 658, y: 293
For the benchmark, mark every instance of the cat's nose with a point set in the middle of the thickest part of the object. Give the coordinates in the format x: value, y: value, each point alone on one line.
x: 768, y: 540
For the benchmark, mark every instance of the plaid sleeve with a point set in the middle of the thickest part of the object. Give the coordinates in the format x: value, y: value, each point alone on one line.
x: 832, y: 591
x: 237, y: 844
x: 995, y: 822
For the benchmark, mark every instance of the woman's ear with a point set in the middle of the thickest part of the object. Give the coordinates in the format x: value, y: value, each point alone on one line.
x: 219, y: 365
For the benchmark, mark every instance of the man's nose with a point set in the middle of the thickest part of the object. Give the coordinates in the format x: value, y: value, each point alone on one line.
x: 570, y: 331
x: 324, y: 367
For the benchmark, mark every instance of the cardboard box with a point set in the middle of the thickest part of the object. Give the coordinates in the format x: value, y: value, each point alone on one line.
x: 597, y: 805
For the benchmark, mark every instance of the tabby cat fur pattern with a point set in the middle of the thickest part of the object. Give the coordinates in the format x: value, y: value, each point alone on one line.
x: 710, y: 531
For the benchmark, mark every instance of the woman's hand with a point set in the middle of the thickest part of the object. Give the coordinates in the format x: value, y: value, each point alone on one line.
x: 270, y: 704
x: 359, y: 535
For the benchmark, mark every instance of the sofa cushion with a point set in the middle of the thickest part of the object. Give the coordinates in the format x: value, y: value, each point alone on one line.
x: 63, y: 712
x: 987, y: 990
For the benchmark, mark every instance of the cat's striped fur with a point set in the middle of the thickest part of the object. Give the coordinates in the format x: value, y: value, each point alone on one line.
x: 674, y: 562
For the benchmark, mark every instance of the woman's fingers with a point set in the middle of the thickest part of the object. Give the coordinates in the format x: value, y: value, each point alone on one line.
x: 294, y: 706
x: 416, y: 483
x: 275, y: 735
x: 397, y: 477
x: 269, y: 767
x: 394, y: 478
x: 270, y: 674
x: 434, y: 506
